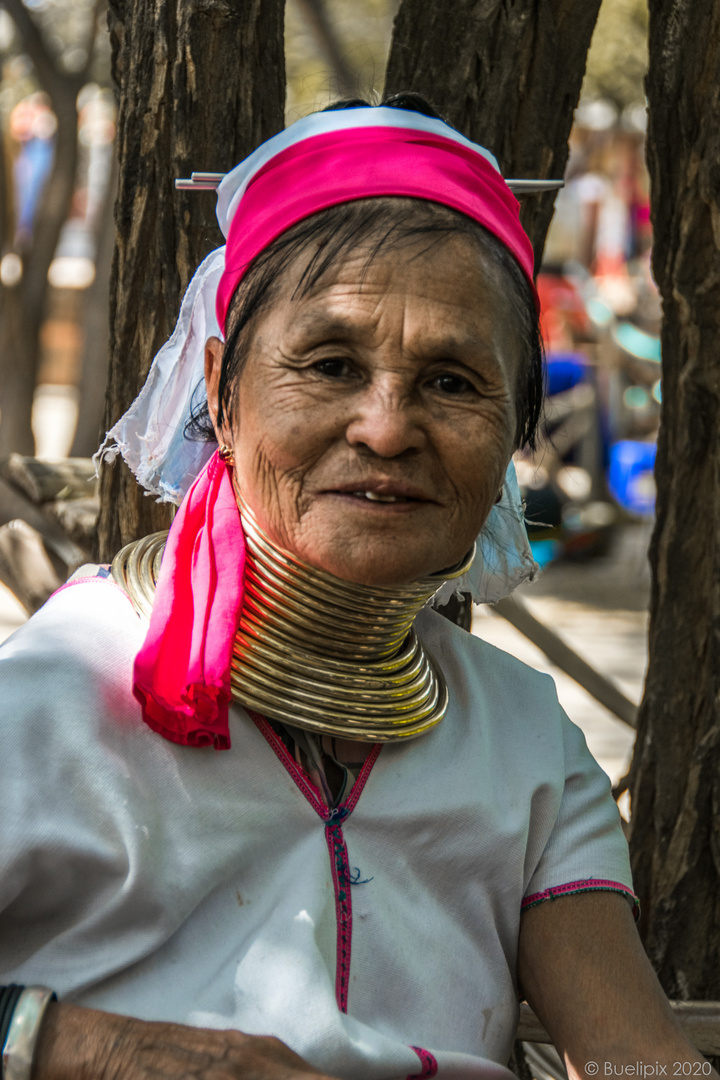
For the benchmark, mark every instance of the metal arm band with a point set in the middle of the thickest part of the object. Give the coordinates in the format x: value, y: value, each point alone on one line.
x: 19, y: 1048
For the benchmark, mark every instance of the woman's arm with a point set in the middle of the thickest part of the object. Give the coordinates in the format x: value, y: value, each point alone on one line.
x: 584, y: 971
x: 84, y: 1044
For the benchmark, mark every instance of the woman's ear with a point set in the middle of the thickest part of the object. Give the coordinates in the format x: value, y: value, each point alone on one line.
x: 214, y: 348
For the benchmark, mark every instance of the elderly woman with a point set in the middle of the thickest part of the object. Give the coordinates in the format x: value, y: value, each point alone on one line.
x: 403, y: 833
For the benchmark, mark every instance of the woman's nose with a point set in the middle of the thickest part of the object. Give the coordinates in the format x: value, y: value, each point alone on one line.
x: 386, y: 422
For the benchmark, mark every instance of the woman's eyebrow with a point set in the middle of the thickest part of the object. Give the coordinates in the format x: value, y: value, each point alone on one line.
x: 460, y: 343
x: 328, y: 325
x: 463, y: 348
x: 336, y: 324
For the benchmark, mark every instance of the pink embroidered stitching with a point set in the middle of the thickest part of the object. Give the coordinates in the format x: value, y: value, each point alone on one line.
x: 306, y: 786
x: 428, y: 1062
x: 88, y: 580
x: 363, y: 775
x: 337, y: 848
x: 340, y: 866
x: 590, y: 885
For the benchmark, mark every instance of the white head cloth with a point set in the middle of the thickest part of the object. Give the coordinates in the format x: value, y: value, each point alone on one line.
x: 153, y: 436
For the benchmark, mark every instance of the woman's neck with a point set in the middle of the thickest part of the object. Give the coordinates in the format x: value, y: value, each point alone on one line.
x: 313, y: 651
x: 333, y: 656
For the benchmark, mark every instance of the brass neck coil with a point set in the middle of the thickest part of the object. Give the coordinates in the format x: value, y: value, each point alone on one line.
x: 314, y: 651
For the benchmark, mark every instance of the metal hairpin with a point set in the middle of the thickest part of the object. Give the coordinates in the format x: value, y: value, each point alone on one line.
x: 209, y: 181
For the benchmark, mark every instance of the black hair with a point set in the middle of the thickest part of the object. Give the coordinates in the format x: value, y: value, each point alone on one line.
x: 384, y: 224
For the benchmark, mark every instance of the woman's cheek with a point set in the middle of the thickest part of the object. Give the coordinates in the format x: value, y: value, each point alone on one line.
x: 484, y: 476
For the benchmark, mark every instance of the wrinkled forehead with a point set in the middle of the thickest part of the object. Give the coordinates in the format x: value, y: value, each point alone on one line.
x: 433, y: 264
x: 430, y: 296
x: 369, y: 245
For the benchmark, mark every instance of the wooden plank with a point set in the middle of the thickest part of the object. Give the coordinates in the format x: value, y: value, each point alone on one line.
x: 24, y: 565
x: 77, y: 518
x: 13, y: 504
x: 700, y: 1020
x: 42, y: 481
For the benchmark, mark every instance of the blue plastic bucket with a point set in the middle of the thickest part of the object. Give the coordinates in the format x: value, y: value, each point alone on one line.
x: 631, y: 477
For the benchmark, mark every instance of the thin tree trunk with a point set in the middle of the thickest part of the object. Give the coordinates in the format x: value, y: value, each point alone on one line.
x: 96, y: 350
x: 675, y: 775
x: 24, y: 303
x: 19, y: 345
x: 507, y: 75
x: 201, y: 85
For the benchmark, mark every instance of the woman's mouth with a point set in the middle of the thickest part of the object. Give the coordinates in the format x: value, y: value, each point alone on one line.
x: 397, y: 499
x: 376, y: 496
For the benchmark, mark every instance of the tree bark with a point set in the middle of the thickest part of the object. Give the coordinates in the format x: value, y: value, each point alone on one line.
x: 7, y: 222
x: 202, y: 83
x: 675, y: 775
x: 94, y: 369
x: 507, y: 75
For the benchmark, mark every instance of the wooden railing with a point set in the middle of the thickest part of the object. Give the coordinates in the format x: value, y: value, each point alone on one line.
x: 700, y: 1020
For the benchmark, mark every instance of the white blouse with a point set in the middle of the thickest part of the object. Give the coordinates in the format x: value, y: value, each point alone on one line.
x: 378, y: 940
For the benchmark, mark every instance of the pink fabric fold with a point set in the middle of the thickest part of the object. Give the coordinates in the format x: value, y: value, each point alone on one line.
x: 338, y: 167
x: 182, y: 672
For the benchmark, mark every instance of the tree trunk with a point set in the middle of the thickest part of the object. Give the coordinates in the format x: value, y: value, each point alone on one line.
x: 19, y: 347
x: 507, y: 75
x: 94, y: 372
x: 202, y: 83
x: 675, y: 775
x: 24, y: 303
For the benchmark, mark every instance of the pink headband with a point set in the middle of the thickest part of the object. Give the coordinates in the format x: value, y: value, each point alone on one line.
x: 343, y: 165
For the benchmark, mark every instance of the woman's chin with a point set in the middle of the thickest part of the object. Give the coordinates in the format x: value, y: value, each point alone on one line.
x: 374, y: 577
x: 375, y: 549
x: 384, y: 569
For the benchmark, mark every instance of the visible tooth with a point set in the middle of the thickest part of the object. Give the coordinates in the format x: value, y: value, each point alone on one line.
x: 380, y: 498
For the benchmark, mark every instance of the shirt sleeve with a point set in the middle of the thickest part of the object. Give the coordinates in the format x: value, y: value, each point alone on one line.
x: 586, y: 850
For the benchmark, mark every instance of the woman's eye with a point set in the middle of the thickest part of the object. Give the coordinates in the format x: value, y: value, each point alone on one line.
x: 452, y: 384
x: 335, y: 367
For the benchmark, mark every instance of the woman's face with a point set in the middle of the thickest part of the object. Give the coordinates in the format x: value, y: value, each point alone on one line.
x: 374, y: 417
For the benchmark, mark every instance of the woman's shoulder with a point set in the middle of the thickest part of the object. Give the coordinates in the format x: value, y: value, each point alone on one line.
x: 82, y: 619
x: 499, y: 705
x: 72, y: 659
x: 460, y: 653
x: 507, y: 719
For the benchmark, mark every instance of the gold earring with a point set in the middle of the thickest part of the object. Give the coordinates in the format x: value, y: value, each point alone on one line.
x: 226, y: 454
